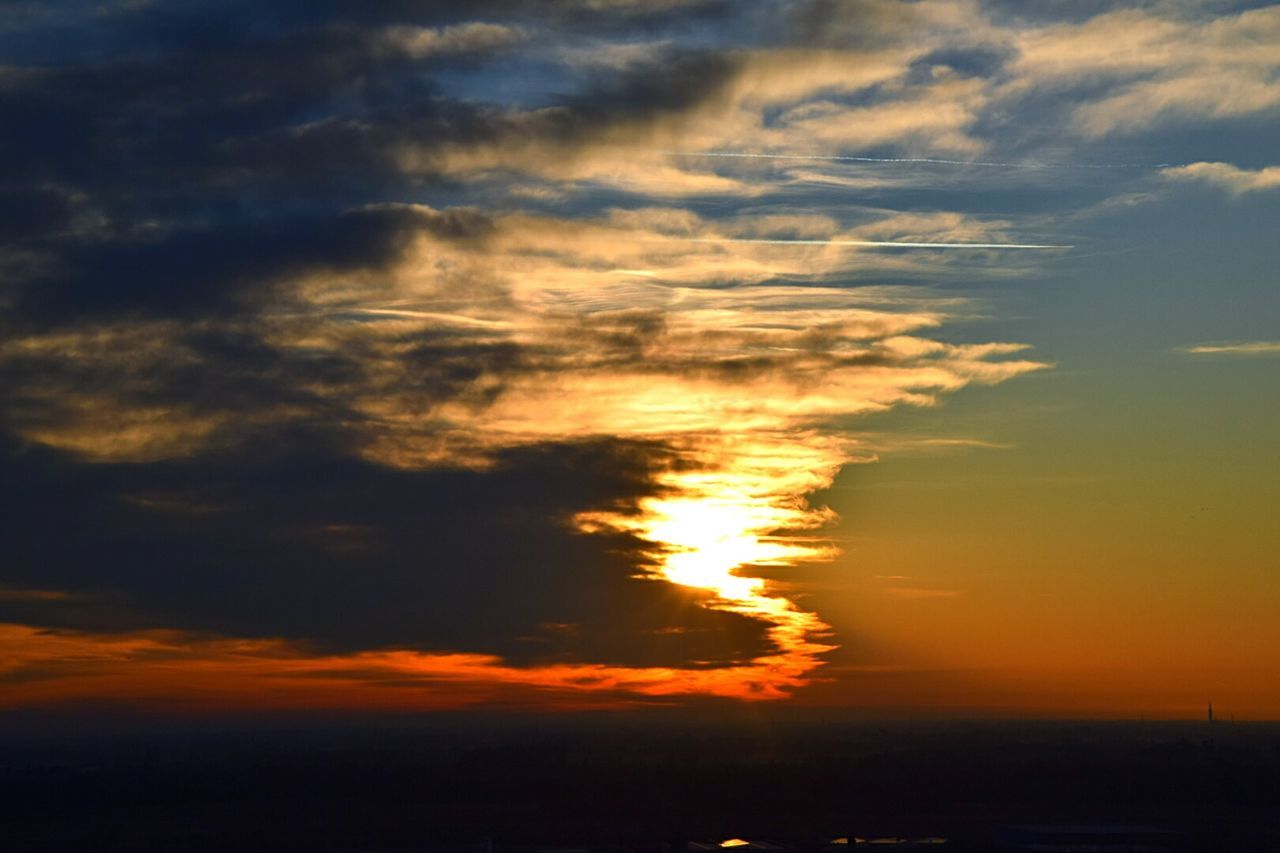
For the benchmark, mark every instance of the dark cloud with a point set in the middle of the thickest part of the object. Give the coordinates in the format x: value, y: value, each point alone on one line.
x: 228, y: 103
x: 131, y: 128
x: 308, y: 544
x: 212, y: 154
x: 209, y: 268
x: 174, y: 177
x: 30, y: 211
x: 581, y: 12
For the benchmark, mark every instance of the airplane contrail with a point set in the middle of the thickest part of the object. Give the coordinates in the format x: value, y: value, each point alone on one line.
x: 932, y: 160
x: 457, y: 319
x: 889, y: 244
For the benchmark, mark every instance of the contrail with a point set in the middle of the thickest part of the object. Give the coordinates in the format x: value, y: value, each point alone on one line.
x: 932, y: 160
x: 889, y: 244
x: 456, y: 319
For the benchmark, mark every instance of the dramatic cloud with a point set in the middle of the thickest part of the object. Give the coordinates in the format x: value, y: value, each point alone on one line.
x: 496, y: 350
x: 480, y: 336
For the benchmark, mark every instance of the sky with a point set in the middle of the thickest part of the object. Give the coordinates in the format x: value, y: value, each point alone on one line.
x: 857, y: 356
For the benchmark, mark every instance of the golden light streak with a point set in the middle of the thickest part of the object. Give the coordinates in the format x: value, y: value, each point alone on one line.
x: 736, y: 510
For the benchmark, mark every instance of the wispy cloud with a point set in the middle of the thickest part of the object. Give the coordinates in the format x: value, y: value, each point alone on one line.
x: 932, y: 161
x: 1148, y: 67
x: 891, y: 443
x: 920, y: 593
x: 1235, y: 348
x: 1227, y: 177
x: 12, y: 594
x: 882, y: 244
x: 475, y: 38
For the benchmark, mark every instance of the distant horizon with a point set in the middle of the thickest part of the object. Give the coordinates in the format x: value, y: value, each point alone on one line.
x: 675, y: 721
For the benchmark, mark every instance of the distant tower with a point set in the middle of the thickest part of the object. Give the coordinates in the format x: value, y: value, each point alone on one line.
x: 1211, y: 712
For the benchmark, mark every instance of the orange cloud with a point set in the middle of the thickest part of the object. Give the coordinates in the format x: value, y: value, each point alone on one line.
x: 169, y: 670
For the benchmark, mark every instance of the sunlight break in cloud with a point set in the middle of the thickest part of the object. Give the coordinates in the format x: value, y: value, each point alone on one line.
x: 630, y: 327
x: 747, y: 384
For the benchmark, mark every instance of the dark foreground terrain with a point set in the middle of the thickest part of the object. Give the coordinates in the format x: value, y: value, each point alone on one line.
x: 589, y: 784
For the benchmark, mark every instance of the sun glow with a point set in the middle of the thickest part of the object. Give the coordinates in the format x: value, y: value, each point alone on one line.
x: 736, y: 507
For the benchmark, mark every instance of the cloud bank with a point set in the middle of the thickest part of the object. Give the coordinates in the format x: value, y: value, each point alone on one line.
x: 494, y: 353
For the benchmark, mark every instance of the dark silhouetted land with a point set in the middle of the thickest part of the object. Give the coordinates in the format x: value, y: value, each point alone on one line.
x: 617, y: 784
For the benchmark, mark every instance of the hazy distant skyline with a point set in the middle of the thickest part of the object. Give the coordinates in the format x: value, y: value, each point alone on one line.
x: 590, y: 354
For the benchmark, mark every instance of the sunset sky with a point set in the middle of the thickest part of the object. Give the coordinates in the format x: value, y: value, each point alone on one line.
x: 873, y: 356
